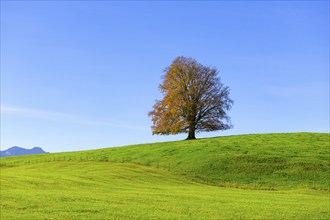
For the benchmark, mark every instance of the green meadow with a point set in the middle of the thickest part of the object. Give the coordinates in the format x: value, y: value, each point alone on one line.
x: 257, y: 176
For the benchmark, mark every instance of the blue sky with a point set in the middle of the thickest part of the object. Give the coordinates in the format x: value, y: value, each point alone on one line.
x: 83, y: 75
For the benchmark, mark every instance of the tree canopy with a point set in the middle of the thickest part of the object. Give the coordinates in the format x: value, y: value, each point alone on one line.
x: 194, y: 100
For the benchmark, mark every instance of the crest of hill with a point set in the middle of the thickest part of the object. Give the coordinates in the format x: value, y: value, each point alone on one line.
x: 268, y: 160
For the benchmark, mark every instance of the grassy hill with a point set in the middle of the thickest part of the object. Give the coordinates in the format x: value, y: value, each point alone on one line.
x: 265, y: 176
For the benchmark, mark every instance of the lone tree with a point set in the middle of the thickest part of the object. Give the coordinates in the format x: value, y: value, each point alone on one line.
x: 194, y: 100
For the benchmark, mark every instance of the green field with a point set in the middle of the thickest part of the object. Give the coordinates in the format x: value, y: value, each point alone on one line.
x: 264, y: 176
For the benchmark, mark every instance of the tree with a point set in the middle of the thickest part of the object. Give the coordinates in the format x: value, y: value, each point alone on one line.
x: 194, y: 100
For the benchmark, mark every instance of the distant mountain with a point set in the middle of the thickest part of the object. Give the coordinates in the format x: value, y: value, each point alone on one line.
x: 16, y: 151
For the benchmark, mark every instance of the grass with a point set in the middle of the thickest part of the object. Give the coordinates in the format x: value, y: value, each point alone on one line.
x: 268, y: 176
x: 89, y: 190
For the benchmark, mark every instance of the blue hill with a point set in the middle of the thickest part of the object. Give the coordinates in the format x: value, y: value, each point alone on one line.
x: 17, y: 151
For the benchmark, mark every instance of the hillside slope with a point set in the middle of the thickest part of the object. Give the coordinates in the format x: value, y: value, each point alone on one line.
x: 266, y: 161
x: 103, y: 190
x: 174, y: 180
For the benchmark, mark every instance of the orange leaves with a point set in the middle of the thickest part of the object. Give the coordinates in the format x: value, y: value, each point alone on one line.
x: 194, y: 99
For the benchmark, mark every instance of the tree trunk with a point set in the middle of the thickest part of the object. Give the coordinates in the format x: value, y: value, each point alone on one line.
x: 191, y: 134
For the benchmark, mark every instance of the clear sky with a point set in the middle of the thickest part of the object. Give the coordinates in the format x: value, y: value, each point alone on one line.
x: 84, y: 74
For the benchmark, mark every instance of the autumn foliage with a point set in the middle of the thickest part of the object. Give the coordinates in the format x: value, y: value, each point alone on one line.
x: 194, y: 100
